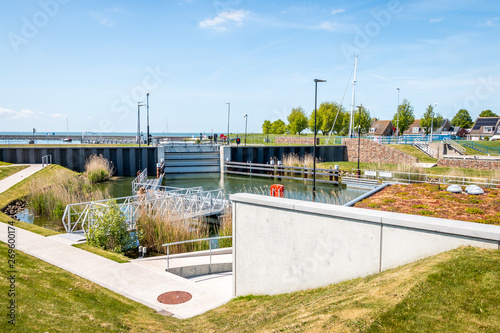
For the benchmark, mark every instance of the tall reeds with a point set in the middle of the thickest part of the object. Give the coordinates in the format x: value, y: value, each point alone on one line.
x: 155, y: 230
x: 98, y: 169
x: 226, y: 227
x: 295, y: 160
x: 49, y: 196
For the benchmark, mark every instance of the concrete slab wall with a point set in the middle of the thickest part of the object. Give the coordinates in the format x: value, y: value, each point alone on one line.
x: 284, y: 245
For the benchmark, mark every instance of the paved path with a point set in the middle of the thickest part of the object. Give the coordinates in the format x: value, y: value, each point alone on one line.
x: 12, y: 180
x: 136, y: 281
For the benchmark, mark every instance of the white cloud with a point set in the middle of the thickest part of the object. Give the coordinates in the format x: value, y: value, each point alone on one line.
x: 58, y: 115
x: 219, y: 22
x: 436, y: 20
x: 338, y: 11
x: 11, y: 114
x: 326, y: 26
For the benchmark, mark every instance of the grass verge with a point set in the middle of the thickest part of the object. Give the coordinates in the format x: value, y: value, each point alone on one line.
x: 119, y: 258
x: 410, y: 150
x: 453, y: 291
x: 9, y: 171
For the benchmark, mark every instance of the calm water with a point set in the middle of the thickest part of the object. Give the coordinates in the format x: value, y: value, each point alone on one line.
x: 294, y: 189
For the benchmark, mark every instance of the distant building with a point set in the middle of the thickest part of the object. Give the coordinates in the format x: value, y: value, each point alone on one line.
x: 381, y: 128
x: 485, y: 127
x: 416, y: 129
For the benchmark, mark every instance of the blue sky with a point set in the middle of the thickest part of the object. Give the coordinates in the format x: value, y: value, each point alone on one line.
x: 92, y: 61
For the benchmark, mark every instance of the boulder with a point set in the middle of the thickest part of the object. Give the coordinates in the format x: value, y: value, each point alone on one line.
x: 474, y: 189
x: 454, y: 189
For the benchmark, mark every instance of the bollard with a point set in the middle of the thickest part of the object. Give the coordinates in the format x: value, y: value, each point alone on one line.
x: 140, y: 251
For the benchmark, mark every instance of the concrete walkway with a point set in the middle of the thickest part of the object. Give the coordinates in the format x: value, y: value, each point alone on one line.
x: 12, y: 180
x: 136, y: 280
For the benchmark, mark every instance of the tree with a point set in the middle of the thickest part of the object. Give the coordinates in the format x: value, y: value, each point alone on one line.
x: 462, y: 119
x: 488, y: 113
x: 406, y: 116
x: 266, y: 127
x: 327, y: 112
x: 362, y: 116
x: 430, y: 120
x: 278, y: 127
x: 297, y: 121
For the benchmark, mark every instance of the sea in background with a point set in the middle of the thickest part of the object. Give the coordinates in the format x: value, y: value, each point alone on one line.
x: 77, y: 136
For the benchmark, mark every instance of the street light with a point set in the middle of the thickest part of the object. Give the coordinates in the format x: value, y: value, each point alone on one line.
x: 147, y: 107
x: 228, y: 112
x: 314, y: 142
x: 246, y: 123
x: 358, y: 173
x: 397, y: 112
x: 139, y: 131
x: 432, y: 120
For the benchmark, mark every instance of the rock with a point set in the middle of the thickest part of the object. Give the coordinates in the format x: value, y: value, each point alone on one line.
x: 454, y: 189
x: 474, y: 189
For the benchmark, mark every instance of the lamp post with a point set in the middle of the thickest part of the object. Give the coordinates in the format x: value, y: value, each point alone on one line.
x: 432, y: 119
x: 314, y: 142
x: 246, y: 123
x: 228, y: 112
x: 139, y: 132
x: 397, y: 112
x: 147, y: 108
x: 358, y: 172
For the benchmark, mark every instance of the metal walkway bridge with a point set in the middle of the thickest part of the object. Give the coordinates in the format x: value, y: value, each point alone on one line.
x: 170, y: 203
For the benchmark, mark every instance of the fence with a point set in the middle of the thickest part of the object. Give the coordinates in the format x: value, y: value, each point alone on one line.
x: 281, y: 171
x: 46, y: 160
x: 210, y: 240
x: 479, y: 147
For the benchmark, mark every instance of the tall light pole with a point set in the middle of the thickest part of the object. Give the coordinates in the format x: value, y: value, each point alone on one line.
x: 432, y: 119
x: 246, y: 123
x: 358, y: 173
x: 314, y: 142
x: 397, y: 112
x: 228, y: 112
x: 139, y: 104
x: 147, y: 108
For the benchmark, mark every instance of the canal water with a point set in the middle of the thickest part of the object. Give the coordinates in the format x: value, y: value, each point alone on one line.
x: 294, y: 189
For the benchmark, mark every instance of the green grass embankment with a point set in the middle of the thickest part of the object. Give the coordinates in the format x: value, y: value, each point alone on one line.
x: 456, y: 291
x: 10, y: 170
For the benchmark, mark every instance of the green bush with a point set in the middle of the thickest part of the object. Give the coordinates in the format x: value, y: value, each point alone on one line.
x: 109, y: 230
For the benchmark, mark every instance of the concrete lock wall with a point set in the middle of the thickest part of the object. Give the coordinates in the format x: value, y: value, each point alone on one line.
x: 284, y: 245
x: 263, y: 154
x: 124, y: 159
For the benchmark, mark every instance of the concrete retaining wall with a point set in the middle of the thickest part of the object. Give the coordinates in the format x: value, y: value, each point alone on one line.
x: 263, y: 154
x: 124, y: 159
x: 283, y: 245
x: 480, y: 164
x: 374, y: 152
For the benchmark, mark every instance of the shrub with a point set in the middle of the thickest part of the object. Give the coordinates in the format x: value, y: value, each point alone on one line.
x: 49, y: 196
x: 98, y: 169
x: 425, y: 212
x: 474, y: 210
x: 110, y: 230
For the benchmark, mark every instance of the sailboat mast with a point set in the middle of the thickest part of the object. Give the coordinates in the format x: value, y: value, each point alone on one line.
x: 353, y: 97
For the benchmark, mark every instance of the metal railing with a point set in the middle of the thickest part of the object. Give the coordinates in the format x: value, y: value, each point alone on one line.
x: 479, y: 147
x: 425, y: 147
x: 170, y: 205
x: 209, y: 239
x: 46, y: 160
x: 455, y: 145
x: 140, y: 179
x: 410, y: 178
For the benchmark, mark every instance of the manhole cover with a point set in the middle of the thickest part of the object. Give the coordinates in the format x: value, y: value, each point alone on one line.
x: 174, y: 297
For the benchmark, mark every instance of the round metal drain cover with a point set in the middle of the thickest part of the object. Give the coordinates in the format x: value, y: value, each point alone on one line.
x: 174, y: 297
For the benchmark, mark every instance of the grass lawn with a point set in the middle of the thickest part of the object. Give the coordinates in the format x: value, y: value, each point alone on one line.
x: 5, y: 163
x: 9, y: 171
x: 410, y: 150
x: 456, y: 291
